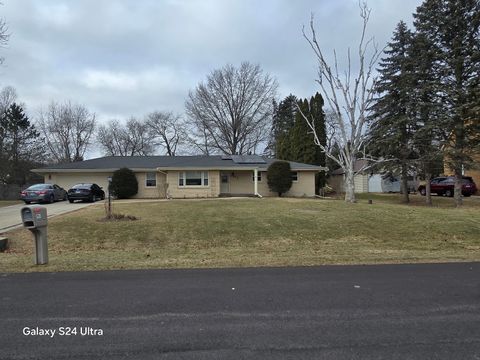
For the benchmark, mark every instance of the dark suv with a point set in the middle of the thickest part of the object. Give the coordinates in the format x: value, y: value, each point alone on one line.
x: 444, y: 185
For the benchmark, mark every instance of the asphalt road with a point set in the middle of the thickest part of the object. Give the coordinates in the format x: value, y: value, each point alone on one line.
x: 331, y: 312
x: 10, y: 215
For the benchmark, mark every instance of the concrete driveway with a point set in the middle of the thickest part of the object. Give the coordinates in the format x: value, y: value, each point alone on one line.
x: 10, y: 215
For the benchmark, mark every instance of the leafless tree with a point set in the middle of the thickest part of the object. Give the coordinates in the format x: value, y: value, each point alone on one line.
x: 167, y: 130
x: 331, y: 129
x: 348, y: 95
x: 233, y: 109
x: 4, y: 35
x: 8, y: 95
x: 67, y: 129
x: 129, y: 139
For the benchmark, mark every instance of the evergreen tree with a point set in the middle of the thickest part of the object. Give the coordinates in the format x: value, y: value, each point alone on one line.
x: 270, y: 149
x: 283, y: 122
x: 303, y: 144
x: 392, y: 123
x: 427, y: 108
x: 21, y: 148
x: 124, y: 183
x: 299, y: 145
x: 294, y: 139
x: 279, y: 177
x: 452, y: 29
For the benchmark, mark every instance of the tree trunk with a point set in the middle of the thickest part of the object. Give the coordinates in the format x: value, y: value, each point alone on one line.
x: 404, y: 184
x: 349, y: 185
x: 458, y: 188
x: 428, y: 192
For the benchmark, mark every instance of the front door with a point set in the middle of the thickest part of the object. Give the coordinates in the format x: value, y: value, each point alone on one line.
x: 224, y: 183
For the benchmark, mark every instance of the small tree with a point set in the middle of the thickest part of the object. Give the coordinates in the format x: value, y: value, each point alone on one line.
x: 279, y: 177
x: 124, y: 183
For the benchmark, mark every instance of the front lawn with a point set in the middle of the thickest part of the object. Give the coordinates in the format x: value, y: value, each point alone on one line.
x: 251, y: 232
x: 9, y: 202
x: 418, y: 200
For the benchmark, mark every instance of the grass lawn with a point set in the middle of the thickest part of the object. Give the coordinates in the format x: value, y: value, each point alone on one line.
x: 9, y: 202
x: 418, y: 200
x: 252, y: 232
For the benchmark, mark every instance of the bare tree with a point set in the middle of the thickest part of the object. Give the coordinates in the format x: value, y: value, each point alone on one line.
x: 67, y: 129
x: 233, y: 109
x: 331, y: 128
x: 4, y: 35
x: 348, y: 96
x: 167, y: 130
x: 8, y: 95
x: 133, y: 138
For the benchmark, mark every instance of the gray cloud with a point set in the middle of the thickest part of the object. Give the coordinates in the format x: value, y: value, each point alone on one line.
x: 123, y: 58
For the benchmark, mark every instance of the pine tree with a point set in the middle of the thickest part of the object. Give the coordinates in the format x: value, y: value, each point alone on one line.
x: 427, y: 108
x: 299, y: 145
x: 392, y: 123
x: 293, y: 137
x: 283, y: 122
x: 303, y: 145
x: 21, y: 147
x: 318, y: 119
x: 452, y: 29
x: 279, y: 178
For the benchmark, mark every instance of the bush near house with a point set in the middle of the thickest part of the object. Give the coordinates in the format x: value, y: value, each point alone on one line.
x: 279, y: 177
x: 124, y: 183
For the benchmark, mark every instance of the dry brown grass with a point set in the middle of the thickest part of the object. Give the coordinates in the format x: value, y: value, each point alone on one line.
x: 9, y: 202
x: 252, y: 232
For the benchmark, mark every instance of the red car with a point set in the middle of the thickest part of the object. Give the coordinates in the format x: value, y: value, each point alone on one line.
x: 445, y: 186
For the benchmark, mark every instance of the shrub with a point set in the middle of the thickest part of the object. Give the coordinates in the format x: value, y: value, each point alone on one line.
x: 124, y: 183
x: 279, y: 177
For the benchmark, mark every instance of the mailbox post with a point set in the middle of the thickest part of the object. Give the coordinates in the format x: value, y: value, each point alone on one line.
x: 34, y: 218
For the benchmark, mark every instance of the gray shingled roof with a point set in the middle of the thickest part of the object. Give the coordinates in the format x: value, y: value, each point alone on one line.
x: 359, y: 164
x: 153, y: 162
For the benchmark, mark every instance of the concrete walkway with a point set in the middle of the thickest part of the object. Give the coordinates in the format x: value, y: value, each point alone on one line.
x: 10, y: 215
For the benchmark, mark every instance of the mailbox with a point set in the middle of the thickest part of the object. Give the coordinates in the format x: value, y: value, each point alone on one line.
x: 34, y: 218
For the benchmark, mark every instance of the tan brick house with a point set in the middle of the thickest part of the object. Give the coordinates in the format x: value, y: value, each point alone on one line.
x: 185, y: 176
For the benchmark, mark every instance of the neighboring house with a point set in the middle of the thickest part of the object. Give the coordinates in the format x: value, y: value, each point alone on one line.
x: 368, y: 181
x: 474, y: 173
x: 337, y: 179
x: 185, y: 176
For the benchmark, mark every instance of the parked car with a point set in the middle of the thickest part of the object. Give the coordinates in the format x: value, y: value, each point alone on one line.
x: 43, y: 193
x: 86, y: 192
x: 444, y: 185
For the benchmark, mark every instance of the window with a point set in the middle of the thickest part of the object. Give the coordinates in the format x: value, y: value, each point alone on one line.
x: 151, y: 179
x: 259, y: 176
x: 193, y: 178
x: 448, y: 181
x: 294, y: 176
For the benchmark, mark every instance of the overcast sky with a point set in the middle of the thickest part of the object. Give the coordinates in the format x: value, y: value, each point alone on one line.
x: 124, y: 58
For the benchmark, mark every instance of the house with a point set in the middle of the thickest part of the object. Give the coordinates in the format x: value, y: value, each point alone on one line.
x: 474, y: 173
x: 367, y: 181
x: 185, y: 176
x: 337, y: 178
